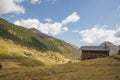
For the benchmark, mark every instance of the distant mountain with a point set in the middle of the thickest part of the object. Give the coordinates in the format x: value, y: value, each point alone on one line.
x: 34, y: 39
x: 113, y: 48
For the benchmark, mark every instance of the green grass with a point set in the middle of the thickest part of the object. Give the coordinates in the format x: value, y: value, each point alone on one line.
x: 4, y: 53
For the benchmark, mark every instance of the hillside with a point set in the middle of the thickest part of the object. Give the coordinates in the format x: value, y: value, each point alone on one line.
x: 10, y: 52
x: 95, y: 69
x: 33, y: 39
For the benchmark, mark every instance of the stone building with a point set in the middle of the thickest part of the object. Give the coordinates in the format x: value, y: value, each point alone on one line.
x: 113, y: 48
x: 91, y: 52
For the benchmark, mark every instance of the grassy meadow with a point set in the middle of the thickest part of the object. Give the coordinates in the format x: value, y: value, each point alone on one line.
x: 94, y: 69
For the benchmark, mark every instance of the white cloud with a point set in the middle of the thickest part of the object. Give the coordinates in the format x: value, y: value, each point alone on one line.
x: 47, y: 28
x: 48, y: 20
x: 54, y: 29
x: 64, y: 29
x: 11, y: 6
x: 97, y: 35
x: 71, y: 18
x: 35, y: 1
x: 30, y: 23
x: 14, y: 6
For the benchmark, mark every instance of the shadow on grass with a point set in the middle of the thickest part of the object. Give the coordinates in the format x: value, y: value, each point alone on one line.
x: 8, y: 74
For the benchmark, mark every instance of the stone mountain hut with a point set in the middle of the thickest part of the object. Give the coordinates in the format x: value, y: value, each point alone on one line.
x: 113, y: 48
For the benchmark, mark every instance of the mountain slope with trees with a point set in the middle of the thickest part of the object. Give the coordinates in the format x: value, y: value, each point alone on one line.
x: 34, y: 39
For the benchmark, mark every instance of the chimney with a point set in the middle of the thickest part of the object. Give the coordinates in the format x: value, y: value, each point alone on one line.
x: 105, y: 45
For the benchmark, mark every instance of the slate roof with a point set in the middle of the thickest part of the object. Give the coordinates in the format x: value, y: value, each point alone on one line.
x: 94, y: 48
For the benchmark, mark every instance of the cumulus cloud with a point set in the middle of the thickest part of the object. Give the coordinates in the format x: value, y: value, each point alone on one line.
x: 14, y: 6
x: 64, y: 29
x: 29, y: 23
x: 48, y: 20
x: 47, y: 28
x: 117, y: 34
x: 71, y: 18
x: 97, y: 35
x: 35, y: 1
x: 11, y: 6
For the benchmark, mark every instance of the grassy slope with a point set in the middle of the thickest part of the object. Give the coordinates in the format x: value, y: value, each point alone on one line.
x: 26, y: 37
x: 96, y: 69
x: 9, y: 51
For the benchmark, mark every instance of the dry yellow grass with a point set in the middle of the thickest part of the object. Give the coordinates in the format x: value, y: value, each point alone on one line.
x: 11, y: 50
x: 96, y: 69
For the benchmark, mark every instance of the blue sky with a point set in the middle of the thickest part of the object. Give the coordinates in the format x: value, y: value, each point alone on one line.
x: 80, y: 22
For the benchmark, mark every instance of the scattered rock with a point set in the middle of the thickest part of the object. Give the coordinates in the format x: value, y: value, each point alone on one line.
x: 27, y: 53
